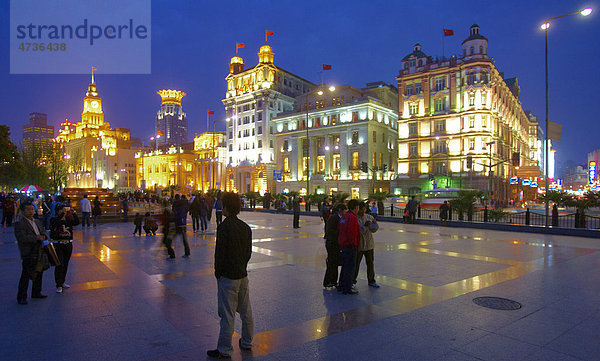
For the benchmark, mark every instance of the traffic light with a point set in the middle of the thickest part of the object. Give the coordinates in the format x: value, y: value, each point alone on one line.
x: 516, y: 159
x: 364, y: 167
x: 469, y: 162
x: 384, y: 168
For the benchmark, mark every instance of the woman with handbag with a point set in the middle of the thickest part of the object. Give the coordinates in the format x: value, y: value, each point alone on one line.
x: 61, y: 234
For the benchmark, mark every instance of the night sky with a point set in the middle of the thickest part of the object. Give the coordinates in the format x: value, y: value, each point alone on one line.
x: 192, y: 42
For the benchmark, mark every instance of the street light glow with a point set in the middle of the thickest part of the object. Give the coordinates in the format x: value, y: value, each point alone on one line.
x: 586, y: 11
x: 545, y: 26
x: 320, y: 92
x: 332, y: 88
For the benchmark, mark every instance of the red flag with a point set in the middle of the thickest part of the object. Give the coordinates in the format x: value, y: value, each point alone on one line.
x: 448, y: 32
x: 326, y: 67
x: 210, y: 112
x: 269, y: 32
x: 239, y: 45
x: 160, y: 133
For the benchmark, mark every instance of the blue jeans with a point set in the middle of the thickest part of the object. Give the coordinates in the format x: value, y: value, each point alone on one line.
x: 203, y: 223
x: 348, y: 265
x: 86, y: 219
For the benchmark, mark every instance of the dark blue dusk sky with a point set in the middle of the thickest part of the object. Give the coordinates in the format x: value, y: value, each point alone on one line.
x: 192, y: 42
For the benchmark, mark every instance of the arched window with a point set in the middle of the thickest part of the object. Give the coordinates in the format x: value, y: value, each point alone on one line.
x: 406, y: 65
x: 480, y: 49
x: 472, y: 50
x: 420, y: 62
x: 472, y: 78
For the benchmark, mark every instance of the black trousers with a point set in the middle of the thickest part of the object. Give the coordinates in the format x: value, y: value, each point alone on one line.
x: 348, y: 265
x: 296, y: 220
x: 63, y: 251
x: 333, y: 262
x: 369, y: 259
x: 168, y: 241
x: 27, y: 271
x: 138, y: 229
x: 219, y: 216
x: 8, y: 218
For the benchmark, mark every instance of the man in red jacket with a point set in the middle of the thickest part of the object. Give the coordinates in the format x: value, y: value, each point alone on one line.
x: 348, y: 240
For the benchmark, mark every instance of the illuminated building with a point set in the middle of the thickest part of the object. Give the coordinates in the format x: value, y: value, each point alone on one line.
x: 452, y: 110
x: 211, y: 157
x: 254, y: 96
x: 164, y: 168
x: 346, y: 127
x: 171, y: 122
x: 83, y: 141
x: 37, y: 137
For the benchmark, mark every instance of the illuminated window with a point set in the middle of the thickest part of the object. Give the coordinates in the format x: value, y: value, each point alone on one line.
x: 286, y: 164
x: 305, y: 167
x: 334, y: 119
x: 380, y: 160
x: 471, y: 143
x: 355, y: 176
x: 374, y: 160
x: 471, y: 122
x: 471, y: 99
x: 484, y: 121
x: 440, y: 83
x: 336, y: 163
x: 354, y: 116
x: 321, y: 163
x: 440, y: 104
x: 413, y: 109
x: 354, y: 160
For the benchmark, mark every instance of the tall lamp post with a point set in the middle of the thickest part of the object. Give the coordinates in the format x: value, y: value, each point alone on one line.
x: 319, y: 92
x: 545, y: 26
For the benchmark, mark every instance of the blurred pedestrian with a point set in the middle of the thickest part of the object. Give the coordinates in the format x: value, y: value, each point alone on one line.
x: 296, y: 209
x: 96, y: 210
x: 86, y: 209
x: 137, y: 221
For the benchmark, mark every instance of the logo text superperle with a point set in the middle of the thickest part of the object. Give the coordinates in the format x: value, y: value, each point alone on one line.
x: 84, y: 31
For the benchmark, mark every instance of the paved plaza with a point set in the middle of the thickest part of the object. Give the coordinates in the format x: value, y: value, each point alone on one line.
x: 127, y: 302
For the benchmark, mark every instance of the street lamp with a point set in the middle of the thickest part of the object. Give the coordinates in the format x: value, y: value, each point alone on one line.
x: 545, y: 26
x: 319, y: 92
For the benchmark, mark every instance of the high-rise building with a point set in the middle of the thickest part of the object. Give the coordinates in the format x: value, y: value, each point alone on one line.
x: 254, y: 96
x: 339, y: 139
x: 461, y: 123
x: 171, y: 123
x: 38, y: 137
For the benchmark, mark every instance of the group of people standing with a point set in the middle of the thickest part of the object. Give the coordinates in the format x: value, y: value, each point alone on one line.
x: 32, y: 236
x: 348, y: 238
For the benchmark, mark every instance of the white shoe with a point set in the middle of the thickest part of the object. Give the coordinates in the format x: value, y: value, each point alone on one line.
x: 66, y: 285
x: 59, y: 290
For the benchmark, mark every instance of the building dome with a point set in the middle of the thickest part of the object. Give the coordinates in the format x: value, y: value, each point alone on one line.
x: 475, y: 44
x: 236, y: 65
x: 265, y: 55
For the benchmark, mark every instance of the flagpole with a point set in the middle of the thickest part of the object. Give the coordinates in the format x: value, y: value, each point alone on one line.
x: 443, y: 36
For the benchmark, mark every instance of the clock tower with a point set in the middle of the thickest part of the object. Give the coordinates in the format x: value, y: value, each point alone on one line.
x: 92, y: 106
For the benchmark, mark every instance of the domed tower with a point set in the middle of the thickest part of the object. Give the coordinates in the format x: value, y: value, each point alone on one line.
x: 236, y: 65
x: 475, y: 44
x: 265, y: 55
x: 415, y: 59
x: 92, y: 106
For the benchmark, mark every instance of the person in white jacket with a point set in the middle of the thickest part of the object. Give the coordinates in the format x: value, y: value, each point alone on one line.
x: 368, y: 226
x: 86, y: 209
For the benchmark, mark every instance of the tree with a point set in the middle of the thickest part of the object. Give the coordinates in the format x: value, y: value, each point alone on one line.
x: 379, y: 197
x: 558, y: 197
x: 57, y: 169
x: 465, y: 203
x: 589, y: 200
x: 12, y: 171
x: 339, y: 197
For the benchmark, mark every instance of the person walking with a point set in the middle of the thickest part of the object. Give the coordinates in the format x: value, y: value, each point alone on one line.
x: 334, y: 256
x: 296, y: 209
x: 412, y: 206
x: 203, y: 212
x: 29, y: 233
x: 8, y: 211
x: 180, y: 211
x: 368, y: 225
x: 444, y: 210
x: 348, y: 240
x: 137, y: 222
x: 232, y: 252
x: 96, y: 210
x: 125, y: 209
x: 195, y: 213
x: 61, y: 233
x: 218, y: 207
x: 86, y: 209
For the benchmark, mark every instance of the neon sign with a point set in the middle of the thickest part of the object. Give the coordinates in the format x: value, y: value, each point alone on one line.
x: 592, y: 173
x: 514, y: 180
x: 526, y: 182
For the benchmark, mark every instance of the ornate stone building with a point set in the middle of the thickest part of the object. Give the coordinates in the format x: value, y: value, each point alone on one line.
x: 459, y: 119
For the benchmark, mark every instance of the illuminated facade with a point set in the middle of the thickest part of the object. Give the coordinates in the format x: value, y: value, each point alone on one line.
x: 37, y: 137
x: 254, y: 96
x: 346, y: 127
x: 83, y: 140
x: 459, y: 108
x: 171, y: 122
x: 211, y: 157
x: 164, y: 168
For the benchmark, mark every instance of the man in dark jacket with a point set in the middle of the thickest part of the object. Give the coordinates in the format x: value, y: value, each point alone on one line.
x: 412, y: 206
x: 334, y: 257
x: 61, y: 233
x: 232, y: 253
x: 180, y: 211
x: 348, y: 240
x: 29, y: 233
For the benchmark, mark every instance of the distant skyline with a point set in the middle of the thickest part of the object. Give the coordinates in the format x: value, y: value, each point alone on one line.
x: 192, y: 43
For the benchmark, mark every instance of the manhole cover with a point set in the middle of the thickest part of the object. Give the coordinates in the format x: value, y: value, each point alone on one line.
x: 497, y: 303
